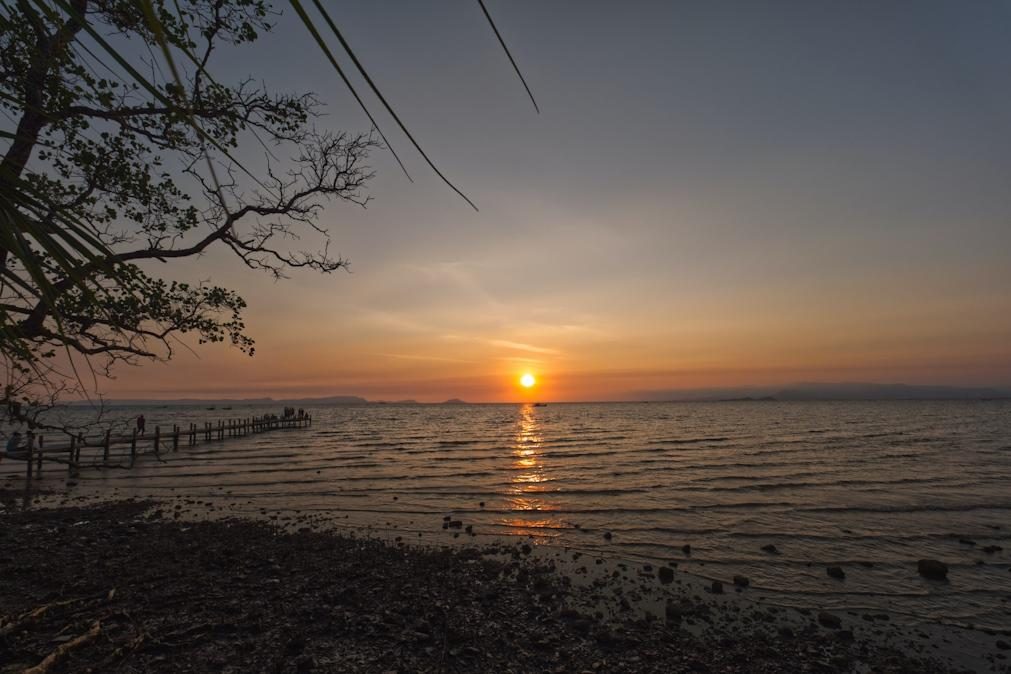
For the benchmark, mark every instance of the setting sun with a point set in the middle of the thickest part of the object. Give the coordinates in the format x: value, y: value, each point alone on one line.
x: 527, y: 380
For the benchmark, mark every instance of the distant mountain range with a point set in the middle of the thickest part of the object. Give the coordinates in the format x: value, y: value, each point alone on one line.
x: 219, y: 402
x: 329, y: 400
x: 801, y: 391
x: 830, y: 391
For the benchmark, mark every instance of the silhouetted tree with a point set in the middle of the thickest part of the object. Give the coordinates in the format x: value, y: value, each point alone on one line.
x: 109, y: 173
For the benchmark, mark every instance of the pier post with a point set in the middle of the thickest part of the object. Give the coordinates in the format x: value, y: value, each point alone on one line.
x: 133, y: 447
x: 157, y: 439
x: 175, y: 437
x: 38, y: 467
x: 105, y: 446
x: 70, y: 455
x: 29, y: 456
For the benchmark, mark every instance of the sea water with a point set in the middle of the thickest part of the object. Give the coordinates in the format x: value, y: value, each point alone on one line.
x: 868, y: 486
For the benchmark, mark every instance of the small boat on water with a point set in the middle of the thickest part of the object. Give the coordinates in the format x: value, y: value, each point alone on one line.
x: 540, y: 404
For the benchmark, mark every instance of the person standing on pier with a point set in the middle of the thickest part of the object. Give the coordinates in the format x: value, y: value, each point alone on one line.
x: 13, y: 444
x: 140, y: 424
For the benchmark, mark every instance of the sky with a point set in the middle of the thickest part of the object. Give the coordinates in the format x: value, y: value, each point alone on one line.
x: 715, y: 194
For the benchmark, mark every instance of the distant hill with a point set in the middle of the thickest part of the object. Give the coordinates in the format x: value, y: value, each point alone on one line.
x: 329, y: 400
x: 886, y: 392
x: 454, y: 401
x: 828, y: 391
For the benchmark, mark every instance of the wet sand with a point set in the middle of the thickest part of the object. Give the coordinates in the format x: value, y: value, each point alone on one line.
x: 140, y: 586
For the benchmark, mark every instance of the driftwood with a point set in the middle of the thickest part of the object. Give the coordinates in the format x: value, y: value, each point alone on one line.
x: 119, y: 653
x: 33, y: 616
x: 61, y: 651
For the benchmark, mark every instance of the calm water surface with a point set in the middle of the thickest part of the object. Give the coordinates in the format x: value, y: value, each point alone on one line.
x: 870, y: 486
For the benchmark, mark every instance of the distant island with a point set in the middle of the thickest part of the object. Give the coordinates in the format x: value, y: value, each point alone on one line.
x: 828, y: 392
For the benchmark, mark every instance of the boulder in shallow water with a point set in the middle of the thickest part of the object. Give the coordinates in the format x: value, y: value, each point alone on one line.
x: 932, y: 569
x: 687, y: 549
x: 828, y: 620
x: 741, y: 581
x: 716, y: 587
x: 771, y: 549
x: 836, y: 572
x: 666, y: 574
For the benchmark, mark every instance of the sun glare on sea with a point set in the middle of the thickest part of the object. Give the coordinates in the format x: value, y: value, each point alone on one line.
x: 527, y: 380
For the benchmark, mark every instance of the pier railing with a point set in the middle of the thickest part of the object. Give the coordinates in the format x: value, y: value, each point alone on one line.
x: 112, y: 450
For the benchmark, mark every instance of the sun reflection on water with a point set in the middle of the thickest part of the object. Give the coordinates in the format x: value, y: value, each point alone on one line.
x: 530, y: 511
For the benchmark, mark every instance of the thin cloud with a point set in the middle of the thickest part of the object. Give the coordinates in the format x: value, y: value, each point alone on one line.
x: 506, y: 344
x: 439, y: 359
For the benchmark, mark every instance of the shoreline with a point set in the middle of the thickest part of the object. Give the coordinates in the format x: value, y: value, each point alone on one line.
x: 293, y: 598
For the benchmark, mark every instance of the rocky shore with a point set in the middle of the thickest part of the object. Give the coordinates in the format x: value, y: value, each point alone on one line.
x: 124, y: 587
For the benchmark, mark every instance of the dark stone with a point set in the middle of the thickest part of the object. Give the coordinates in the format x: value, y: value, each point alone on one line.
x: 455, y: 524
x: 771, y: 549
x: 990, y: 549
x: 673, y: 612
x: 570, y: 615
x: 933, y: 569
x: 836, y: 572
x: 966, y: 541
x: 828, y: 620
x: 1003, y: 645
x: 526, y: 549
x: 607, y: 535
x: 687, y: 549
x: 741, y: 581
x: 716, y: 587
x: 666, y: 574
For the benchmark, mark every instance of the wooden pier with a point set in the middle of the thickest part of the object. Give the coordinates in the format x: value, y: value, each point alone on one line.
x: 122, y: 450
